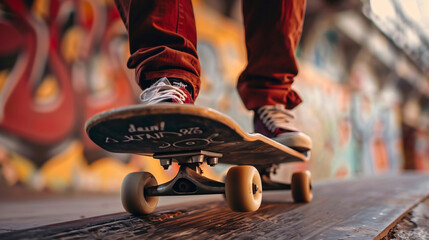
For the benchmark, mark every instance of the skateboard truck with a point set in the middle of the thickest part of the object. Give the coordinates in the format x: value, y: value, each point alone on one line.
x: 188, y: 158
x: 188, y: 180
x: 267, y: 183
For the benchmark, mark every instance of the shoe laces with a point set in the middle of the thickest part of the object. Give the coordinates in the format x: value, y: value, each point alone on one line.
x: 162, y: 91
x: 275, y: 117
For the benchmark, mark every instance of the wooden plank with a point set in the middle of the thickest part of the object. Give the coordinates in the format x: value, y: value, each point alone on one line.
x: 352, y: 209
x: 23, y: 208
x: 414, y: 225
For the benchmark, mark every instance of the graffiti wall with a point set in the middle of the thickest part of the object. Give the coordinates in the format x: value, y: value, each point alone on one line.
x: 353, y: 105
x: 64, y: 60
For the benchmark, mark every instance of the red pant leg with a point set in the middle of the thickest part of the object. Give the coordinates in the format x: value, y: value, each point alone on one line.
x: 273, y: 29
x: 163, y: 39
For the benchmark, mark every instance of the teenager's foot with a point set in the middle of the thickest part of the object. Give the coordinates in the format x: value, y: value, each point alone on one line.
x: 164, y: 90
x: 276, y: 122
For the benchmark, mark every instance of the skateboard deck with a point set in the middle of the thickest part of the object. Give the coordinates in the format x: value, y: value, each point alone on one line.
x: 171, y: 129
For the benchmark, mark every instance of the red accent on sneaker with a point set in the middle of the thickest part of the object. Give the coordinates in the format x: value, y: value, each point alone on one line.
x: 188, y: 100
x: 262, y: 129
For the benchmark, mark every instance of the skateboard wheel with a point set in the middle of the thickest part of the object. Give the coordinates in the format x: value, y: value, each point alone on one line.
x: 301, y: 187
x: 133, y: 196
x: 243, y: 189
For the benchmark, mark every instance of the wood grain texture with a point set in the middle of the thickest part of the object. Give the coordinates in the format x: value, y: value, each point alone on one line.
x: 352, y: 209
x: 175, y: 128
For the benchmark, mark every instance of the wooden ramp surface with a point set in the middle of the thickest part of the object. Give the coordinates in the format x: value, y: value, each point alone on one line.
x: 352, y: 209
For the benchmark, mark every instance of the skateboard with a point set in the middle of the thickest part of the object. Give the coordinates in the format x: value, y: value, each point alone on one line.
x: 191, y: 135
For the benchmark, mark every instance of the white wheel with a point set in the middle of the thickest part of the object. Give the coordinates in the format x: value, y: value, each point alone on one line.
x: 243, y: 189
x: 133, y: 196
x: 301, y: 187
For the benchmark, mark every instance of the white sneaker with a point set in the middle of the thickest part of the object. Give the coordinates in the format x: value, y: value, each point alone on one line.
x: 163, y: 91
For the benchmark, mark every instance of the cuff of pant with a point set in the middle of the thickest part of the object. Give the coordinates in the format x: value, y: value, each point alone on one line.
x: 144, y: 79
x: 256, y: 98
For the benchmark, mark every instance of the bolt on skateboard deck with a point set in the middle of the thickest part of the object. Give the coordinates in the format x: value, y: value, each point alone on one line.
x: 191, y: 135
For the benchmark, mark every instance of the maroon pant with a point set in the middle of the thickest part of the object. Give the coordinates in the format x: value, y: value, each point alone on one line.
x: 163, y: 41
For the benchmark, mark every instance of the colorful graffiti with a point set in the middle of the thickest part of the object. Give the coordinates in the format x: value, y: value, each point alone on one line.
x: 64, y: 60
x: 358, y: 119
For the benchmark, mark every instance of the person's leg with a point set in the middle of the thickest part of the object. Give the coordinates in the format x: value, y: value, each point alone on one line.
x: 273, y: 29
x: 163, y: 40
